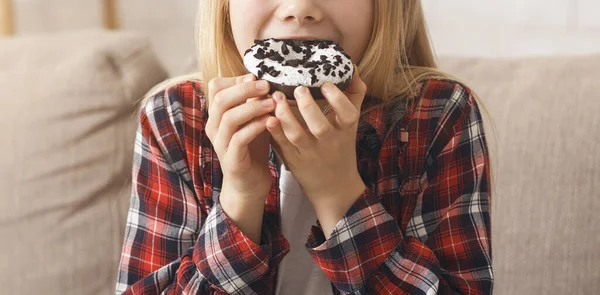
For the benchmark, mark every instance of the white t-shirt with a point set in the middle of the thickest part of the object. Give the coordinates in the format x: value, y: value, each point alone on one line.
x: 298, y: 273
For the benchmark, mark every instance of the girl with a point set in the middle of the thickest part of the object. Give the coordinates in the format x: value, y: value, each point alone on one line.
x: 229, y: 181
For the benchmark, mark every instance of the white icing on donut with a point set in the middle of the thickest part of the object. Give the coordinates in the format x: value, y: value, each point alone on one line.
x: 290, y: 75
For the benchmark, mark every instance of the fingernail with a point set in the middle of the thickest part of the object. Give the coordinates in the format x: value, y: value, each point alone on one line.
x: 301, y: 90
x: 248, y: 78
x: 262, y: 85
x: 328, y: 87
x: 278, y: 96
x: 267, y: 102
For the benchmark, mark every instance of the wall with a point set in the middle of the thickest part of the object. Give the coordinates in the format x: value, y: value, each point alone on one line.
x: 491, y: 28
x: 169, y: 23
x: 510, y: 28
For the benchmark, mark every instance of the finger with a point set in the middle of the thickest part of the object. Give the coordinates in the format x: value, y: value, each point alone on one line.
x: 219, y: 83
x: 234, y: 96
x: 257, y: 98
x: 261, y: 97
x: 238, y: 147
x: 346, y: 113
x: 235, y: 118
x: 316, y: 121
x: 290, y: 125
x: 277, y: 134
x: 356, y: 90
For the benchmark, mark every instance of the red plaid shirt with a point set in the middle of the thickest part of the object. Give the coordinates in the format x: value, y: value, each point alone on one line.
x: 422, y: 225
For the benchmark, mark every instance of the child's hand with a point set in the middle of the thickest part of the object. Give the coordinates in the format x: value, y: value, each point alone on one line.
x: 236, y: 129
x: 323, y: 158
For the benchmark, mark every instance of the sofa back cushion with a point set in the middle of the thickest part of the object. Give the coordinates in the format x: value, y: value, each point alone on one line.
x: 546, y: 210
x: 68, y: 123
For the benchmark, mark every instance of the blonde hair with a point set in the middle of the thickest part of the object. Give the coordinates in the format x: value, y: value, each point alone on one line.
x: 398, y: 57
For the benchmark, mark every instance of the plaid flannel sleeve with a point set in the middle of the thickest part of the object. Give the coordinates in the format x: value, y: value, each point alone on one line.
x: 166, y: 249
x: 446, y: 247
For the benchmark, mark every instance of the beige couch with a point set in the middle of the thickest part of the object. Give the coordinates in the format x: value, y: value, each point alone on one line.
x: 67, y: 140
x: 67, y: 128
x: 546, y: 213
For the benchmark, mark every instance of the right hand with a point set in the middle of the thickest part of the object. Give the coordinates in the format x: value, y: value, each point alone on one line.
x: 236, y: 127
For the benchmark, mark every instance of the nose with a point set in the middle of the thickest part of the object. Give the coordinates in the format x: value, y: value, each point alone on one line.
x: 301, y: 11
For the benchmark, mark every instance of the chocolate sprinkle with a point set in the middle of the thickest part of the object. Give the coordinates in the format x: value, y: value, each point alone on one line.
x: 293, y: 62
x: 274, y: 73
x: 308, y: 52
x: 310, y: 64
x: 284, y: 49
x: 276, y: 57
x: 259, y: 55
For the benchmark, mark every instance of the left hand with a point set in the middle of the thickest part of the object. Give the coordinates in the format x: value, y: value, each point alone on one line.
x: 323, y: 158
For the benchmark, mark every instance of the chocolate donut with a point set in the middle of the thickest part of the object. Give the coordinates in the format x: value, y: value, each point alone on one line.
x: 287, y: 64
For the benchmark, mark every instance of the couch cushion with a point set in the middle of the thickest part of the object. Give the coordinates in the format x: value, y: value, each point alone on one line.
x: 68, y: 124
x: 546, y: 211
